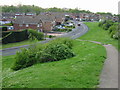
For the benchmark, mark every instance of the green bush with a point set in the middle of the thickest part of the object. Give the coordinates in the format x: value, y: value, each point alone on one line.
x: 115, y: 36
x: 4, y: 28
x: 14, y: 36
x: 70, y: 27
x: 27, y: 57
x: 112, y: 28
x: 106, y: 24
x: 62, y: 30
x: 56, y: 52
x: 50, y: 36
x: 52, y: 51
x: 35, y: 35
x: 69, y: 30
x: 24, y: 59
x: 66, y: 41
x: 101, y: 23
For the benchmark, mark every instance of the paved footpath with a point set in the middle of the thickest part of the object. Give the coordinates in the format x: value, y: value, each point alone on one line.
x: 109, y: 74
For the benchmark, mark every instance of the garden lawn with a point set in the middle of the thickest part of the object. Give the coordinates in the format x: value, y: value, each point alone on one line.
x: 26, y: 42
x: 96, y: 33
x: 81, y: 71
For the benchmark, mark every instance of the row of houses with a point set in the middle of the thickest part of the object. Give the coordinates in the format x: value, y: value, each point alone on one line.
x: 45, y: 21
x: 42, y: 22
x: 94, y: 17
x: 81, y: 16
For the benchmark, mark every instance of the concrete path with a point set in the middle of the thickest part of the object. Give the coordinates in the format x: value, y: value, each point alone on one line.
x: 109, y: 74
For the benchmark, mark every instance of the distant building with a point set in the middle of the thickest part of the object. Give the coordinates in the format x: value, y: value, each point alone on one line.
x: 25, y: 22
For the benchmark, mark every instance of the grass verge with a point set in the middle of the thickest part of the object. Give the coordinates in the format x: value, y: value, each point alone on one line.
x: 96, y: 33
x: 81, y: 71
x: 9, y: 45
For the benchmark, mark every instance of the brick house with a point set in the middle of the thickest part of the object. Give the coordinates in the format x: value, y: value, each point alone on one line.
x: 48, y: 22
x: 42, y: 22
x: 25, y: 22
x: 4, y: 21
x: 6, y: 15
x: 59, y: 17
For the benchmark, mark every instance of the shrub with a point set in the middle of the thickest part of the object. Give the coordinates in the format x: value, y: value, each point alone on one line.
x: 101, y: 23
x: 115, y: 36
x: 62, y: 30
x: 66, y: 41
x: 14, y: 36
x: 69, y: 30
x: 27, y: 57
x: 50, y: 36
x: 56, y: 52
x: 112, y: 28
x: 4, y: 28
x: 35, y: 35
x: 106, y: 24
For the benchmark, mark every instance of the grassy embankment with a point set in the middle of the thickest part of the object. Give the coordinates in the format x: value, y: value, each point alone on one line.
x: 96, y: 33
x: 81, y: 71
x: 9, y: 45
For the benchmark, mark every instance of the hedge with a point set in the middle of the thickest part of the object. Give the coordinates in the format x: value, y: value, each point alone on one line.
x: 55, y: 50
x: 14, y: 36
x: 4, y: 28
x: 35, y: 35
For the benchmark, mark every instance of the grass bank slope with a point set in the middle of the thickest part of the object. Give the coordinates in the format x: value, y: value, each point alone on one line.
x: 96, y: 33
x: 81, y: 71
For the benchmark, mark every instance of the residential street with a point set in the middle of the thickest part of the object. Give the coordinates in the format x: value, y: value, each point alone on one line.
x: 109, y: 74
x: 77, y: 32
x: 60, y: 44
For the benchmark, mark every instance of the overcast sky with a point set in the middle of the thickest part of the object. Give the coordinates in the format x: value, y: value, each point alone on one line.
x: 92, y: 5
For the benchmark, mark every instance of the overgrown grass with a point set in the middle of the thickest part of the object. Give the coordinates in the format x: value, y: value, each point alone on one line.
x: 81, y: 71
x: 26, y: 42
x: 96, y: 33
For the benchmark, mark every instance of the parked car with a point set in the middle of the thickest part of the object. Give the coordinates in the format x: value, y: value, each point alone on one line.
x: 79, y: 24
x: 58, y: 27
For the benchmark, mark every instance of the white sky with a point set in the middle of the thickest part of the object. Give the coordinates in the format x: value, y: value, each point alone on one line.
x: 92, y: 5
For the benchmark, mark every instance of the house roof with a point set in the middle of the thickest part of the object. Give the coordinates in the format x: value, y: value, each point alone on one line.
x: 52, y: 15
x: 45, y: 18
x: 27, y: 20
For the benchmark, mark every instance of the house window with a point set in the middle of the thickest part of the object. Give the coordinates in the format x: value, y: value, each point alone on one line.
x: 27, y: 25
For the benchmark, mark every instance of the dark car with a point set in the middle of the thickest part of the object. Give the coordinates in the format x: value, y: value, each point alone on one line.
x: 79, y: 24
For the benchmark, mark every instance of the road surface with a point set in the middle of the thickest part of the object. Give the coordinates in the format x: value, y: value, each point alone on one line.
x: 75, y: 33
